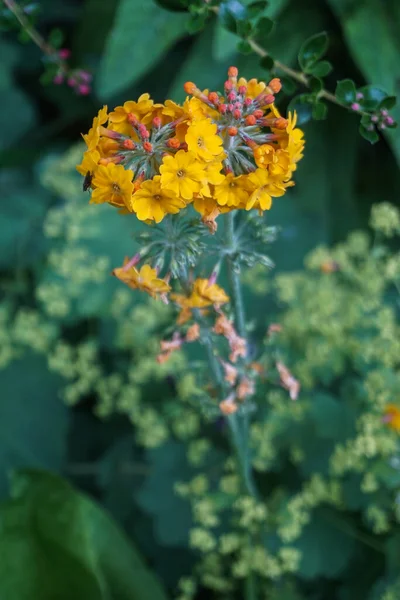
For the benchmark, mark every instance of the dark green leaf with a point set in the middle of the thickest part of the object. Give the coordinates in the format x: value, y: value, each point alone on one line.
x: 319, y: 111
x: 127, y: 56
x: 244, y: 29
x: 372, y: 97
x: 346, y: 91
x: 316, y: 84
x: 302, y: 104
x: 267, y: 63
x: 388, y: 103
x: 174, y: 5
x: 320, y: 69
x: 254, y: 9
x: 196, y: 23
x: 33, y: 419
x: 231, y: 12
x: 66, y: 546
x: 313, y: 49
x: 289, y: 85
x: 56, y: 38
x: 370, y: 135
x: 264, y: 27
x: 244, y: 47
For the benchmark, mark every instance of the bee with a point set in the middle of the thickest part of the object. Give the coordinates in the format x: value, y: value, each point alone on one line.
x: 87, y: 182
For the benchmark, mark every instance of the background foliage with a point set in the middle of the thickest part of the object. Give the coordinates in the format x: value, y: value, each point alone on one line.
x: 81, y: 392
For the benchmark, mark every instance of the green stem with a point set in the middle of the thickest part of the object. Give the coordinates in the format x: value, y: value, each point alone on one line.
x: 234, y: 279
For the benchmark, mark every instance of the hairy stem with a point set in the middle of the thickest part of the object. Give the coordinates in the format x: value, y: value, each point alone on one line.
x: 35, y: 36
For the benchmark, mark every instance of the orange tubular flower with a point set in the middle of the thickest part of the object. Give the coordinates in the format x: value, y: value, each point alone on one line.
x: 144, y: 279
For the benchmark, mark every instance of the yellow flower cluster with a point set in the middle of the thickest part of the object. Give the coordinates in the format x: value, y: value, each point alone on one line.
x: 218, y: 152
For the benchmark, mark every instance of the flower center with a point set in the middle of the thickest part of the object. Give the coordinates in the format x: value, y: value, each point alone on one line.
x: 157, y: 197
x: 180, y: 173
x: 200, y: 142
x: 116, y: 188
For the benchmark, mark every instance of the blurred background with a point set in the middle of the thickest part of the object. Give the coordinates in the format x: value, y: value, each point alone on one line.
x: 68, y: 330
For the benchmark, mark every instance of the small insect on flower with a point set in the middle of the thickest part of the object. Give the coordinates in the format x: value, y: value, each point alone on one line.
x: 87, y: 182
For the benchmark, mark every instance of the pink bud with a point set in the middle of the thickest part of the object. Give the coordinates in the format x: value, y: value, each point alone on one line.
x: 248, y: 101
x: 382, y: 126
x: 64, y: 53
x: 355, y: 106
x: 242, y: 89
x: 231, y: 96
x: 384, y: 112
x: 374, y: 118
x: 389, y: 120
x: 84, y: 89
x: 359, y: 96
x: 58, y: 79
x: 71, y: 81
x: 85, y: 76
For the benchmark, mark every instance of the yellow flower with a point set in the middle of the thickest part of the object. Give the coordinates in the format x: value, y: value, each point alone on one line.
x: 232, y: 191
x: 260, y: 197
x: 93, y: 136
x: 142, y: 110
x: 196, y: 109
x: 392, y: 417
x: 294, y: 143
x: 145, y: 279
x: 113, y: 184
x: 152, y: 202
x: 254, y: 87
x: 203, y: 294
x: 182, y: 174
x: 213, y: 176
x: 263, y: 155
x: 203, y: 141
x: 89, y: 163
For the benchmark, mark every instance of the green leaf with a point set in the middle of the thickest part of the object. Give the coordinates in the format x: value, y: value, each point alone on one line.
x: 320, y: 69
x: 174, y: 5
x: 372, y: 97
x: 338, y: 547
x: 302, y: 104
x: 231, y: 13
x: 382, y: 20
x: 244, y: 47
x: 196, y: 23
x: 369, y: 135
x: 172, y: 515
x: 254, y: 9
x: 313, y: 49
x: 316, y: 84
x: 267, y: 63
x: 138, y: 26
x: 320, y: 111
x: 66, y: 546
x: 56, y: 38
x: 33, y: 419
x: 264, y: 27
x: 388, y: 103
x: 289, y: 85
x: 346, y: 91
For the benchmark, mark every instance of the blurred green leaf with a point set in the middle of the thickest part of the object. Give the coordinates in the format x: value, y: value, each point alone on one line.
x: 66, y: 547
x: 174, y: 5
x: 127, y: 56
x: 231, y: 13
x: 302, y: 104
x: 320, y: 69
x: 263, y: 28
x: 371, y: 135
x: 244, y: 47
x: 388, y: 103
x: 320, y: 111
x: 326, y: 550
x: 346, y: 91
x: 255, y: 9
x: 33, y: 420
x: 196, y: 23
x: 363, y: 23
x: 312, y: 50
x: 372, y: 97
x: 157, y: 496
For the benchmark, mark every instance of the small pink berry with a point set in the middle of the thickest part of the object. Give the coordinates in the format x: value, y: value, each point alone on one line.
x: 84, y: 89
x: 384, y: 112
x: 389, y: 120
x: 64, y: 53
x: 382, y: 126
x: 359, y: 96
x: 58, y: 79
x: 71, y: 81
x: 374, y: 118
x: 355, y: 106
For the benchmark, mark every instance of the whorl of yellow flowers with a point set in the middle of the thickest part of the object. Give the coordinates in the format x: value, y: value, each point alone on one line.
x: 219, y: 153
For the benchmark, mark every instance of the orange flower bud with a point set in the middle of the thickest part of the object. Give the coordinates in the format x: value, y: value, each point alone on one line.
x: 232, y: 131
x: 258, y: 113
x: 193, y: 333
x: 157, y: 122
x: 251, y: 120
x: 128, y: 144
x: 237, y: 113
x: 275, y: 85
x: 213, y: 97
x: 228, y: 406
x: 190, y: 87
x: 233, y: 72
x: 281, y: 123
x: 132, y: 119
x: 147, y: 147
x: 173, y: 143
